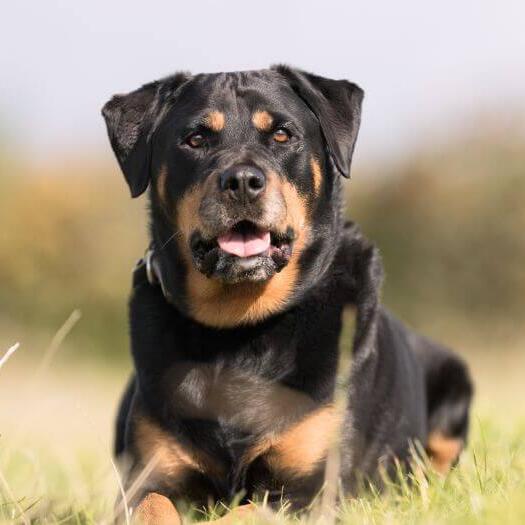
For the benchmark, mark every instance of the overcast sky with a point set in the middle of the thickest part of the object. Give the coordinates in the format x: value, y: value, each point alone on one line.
x: 423, y: 67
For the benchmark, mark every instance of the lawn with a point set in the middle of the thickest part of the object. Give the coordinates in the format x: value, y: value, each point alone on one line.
x: 56, y: 426
x: 449, y: 224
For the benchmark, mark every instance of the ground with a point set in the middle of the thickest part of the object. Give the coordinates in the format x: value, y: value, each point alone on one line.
x: 56, y: 427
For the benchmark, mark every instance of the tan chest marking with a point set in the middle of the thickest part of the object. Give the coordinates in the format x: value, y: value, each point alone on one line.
x: 299, y: 449
x: 168, y: 457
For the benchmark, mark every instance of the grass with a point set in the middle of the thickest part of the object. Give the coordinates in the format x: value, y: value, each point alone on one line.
x: 450, y: 226
x: 56, y: 467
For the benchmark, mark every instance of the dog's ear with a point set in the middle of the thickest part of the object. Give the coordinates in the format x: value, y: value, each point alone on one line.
x: 337, y: 106
x: 131, y: 120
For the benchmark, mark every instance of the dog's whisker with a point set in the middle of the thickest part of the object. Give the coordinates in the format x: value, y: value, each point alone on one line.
x: 170, y: 238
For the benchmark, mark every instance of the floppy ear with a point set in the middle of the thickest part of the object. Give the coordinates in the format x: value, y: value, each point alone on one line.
x: 131, y: 120
x: 337, y: 106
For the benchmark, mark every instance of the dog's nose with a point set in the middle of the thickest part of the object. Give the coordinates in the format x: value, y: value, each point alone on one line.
x: 243, y: 182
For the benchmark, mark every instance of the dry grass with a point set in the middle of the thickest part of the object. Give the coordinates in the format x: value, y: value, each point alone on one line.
x: 450, y: 226
x: 56, y: 467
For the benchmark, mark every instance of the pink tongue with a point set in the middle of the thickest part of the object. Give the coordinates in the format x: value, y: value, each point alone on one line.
x: 244, y: 245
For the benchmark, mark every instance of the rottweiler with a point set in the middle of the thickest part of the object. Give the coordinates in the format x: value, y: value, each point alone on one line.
x: 236, y: 309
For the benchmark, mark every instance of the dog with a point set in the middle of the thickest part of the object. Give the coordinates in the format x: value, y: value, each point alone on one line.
x: 236, y: 310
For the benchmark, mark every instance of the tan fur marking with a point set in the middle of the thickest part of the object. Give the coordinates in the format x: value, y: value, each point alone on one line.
x: 188, y: 214
x: 262, y: 120
x: 236, y: 515
x: 215, y: 121
x: 296, y: 210
x: 298, y: 450
x: 316, y: 174
x: 170, y: 458
x: 161, y: 185
x: 156, y: 509
x: 443, y: 451
x: 221, y: 305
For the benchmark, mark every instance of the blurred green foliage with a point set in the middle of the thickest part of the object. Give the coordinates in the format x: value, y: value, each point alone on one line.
x: 449, y: 224
x: 70, y: 238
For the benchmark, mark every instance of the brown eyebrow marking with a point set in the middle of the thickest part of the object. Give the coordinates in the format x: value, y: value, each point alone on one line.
x: 262, y: 120
x: 215, y: 120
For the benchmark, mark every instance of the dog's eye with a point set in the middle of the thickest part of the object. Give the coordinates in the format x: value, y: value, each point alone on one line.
x: 195, y: 140
x: 281, y: 135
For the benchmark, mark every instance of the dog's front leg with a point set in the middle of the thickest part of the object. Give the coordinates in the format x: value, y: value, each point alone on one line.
x: 236, y: 515
x: 155, y: 509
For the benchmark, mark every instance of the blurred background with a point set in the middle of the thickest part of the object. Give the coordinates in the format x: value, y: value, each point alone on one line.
x: 438, y: 178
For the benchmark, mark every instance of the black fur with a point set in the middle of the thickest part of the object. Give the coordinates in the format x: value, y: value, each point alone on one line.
x: 221, y: 391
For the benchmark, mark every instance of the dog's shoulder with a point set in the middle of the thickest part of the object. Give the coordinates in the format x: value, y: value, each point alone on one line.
x: 357, y: 270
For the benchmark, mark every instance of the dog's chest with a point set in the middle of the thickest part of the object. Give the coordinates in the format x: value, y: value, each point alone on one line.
x: 257, y: 403
x: 259, y: 431
x: 253, y: 380
x: 252, y: 405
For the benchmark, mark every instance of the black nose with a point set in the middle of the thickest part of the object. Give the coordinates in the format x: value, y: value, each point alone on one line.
x: 243, y: 182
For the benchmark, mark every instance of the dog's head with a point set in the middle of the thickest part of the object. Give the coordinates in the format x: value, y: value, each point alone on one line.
x: 244, y: 175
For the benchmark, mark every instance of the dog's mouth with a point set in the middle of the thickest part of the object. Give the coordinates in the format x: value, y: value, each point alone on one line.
x: 245, y: 240
x: 244, y: 252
